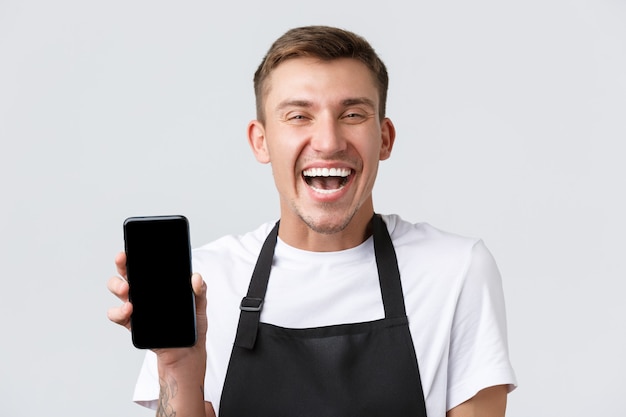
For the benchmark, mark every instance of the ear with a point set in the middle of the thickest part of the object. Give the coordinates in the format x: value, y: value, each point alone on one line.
x: 258, y: 144
x: 388, y: 136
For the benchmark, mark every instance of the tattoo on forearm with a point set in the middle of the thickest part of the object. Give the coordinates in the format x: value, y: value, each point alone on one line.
x: 168, y: 391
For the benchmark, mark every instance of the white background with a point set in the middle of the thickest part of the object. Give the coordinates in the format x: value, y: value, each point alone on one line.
x: 511, y: 120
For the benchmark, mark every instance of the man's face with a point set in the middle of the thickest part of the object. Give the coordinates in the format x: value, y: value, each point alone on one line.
x: 323, y: 136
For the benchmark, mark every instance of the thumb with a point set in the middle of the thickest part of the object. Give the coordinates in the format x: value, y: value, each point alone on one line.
x: 198, y: 285
x: 199, y: 289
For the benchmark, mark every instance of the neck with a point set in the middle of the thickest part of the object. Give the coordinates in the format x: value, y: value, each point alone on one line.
x: 297, y: 233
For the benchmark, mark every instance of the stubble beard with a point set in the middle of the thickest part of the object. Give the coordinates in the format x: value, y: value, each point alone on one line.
x: 326, y: 227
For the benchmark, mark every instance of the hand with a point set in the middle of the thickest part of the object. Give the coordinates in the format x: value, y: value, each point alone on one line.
x: 118, y: 285
x: 181, y: 370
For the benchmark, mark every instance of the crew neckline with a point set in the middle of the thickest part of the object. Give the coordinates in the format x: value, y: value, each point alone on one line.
x: 285, y: 251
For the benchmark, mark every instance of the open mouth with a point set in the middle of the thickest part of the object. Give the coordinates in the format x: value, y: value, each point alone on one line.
x: 326, y: 180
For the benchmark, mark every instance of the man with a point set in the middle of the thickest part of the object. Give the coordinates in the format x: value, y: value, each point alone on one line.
x: 364, y: 314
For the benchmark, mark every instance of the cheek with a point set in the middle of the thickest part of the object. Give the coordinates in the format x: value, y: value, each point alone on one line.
x: 285, y: 150
x: 283, y: 160
x: 371, y: 152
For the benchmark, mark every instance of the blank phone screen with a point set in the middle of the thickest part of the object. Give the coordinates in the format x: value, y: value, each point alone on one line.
x: 158, y: 266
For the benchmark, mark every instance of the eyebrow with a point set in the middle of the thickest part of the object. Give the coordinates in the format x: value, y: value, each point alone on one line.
x: 359, y: 100
x: 345, y: 103
x: 294, y: 103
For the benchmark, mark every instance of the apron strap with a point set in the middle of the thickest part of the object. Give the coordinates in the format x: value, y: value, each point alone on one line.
x: 388, y: 271
x: 252, y: 303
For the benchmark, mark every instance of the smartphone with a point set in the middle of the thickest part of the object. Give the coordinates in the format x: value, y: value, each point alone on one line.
x: 158, y: 268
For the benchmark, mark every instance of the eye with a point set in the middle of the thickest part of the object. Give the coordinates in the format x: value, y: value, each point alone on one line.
x: 354, y: 116
x: 296, y: 118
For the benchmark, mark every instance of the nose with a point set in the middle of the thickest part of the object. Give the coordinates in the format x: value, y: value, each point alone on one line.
x: 327, y: 137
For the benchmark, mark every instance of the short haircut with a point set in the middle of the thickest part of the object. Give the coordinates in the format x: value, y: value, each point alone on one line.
x: 327, y: 44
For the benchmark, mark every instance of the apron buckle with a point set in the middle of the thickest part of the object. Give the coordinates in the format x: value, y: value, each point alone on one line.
x: 252, y: 304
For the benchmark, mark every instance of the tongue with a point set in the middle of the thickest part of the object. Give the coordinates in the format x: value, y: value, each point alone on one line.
x: 326, y: 183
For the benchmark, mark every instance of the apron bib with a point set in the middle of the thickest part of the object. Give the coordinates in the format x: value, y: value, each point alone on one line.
x: 363, y: 370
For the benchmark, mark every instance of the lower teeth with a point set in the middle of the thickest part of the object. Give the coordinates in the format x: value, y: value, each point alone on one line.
x: 324, y: 191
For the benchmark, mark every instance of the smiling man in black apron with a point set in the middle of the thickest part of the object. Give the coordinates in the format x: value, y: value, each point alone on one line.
x: 333, y: 310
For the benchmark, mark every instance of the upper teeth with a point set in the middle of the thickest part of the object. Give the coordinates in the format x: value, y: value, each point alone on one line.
x: 327, y: 172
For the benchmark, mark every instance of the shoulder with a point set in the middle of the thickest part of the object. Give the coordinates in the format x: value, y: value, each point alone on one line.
x: 425, y: 237
x: 233, y: 248
x: 438, y: 257
x: 226, y: 264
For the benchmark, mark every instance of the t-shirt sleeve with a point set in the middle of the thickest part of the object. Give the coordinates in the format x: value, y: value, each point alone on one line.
x: 147, y: 386
x: 479, y: 356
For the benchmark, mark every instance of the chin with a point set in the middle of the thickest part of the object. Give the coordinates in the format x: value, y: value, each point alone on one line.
x: 328, y: 224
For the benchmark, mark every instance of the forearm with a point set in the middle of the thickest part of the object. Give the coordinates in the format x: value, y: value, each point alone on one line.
x: 490, y: 402
x: 182, y: 370
x: 181, y: 391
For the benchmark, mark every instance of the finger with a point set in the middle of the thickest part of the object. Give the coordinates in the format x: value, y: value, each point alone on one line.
x: 120, y: 263
x: 119, y: 287
x: 199, y: 289
x: 198, y: 285
x: 121, y: 314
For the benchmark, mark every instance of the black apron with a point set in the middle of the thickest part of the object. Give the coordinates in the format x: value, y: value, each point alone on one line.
x: 362, y: 370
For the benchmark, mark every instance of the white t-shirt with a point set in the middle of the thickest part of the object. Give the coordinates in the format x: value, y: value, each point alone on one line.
x: 452, y: 291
